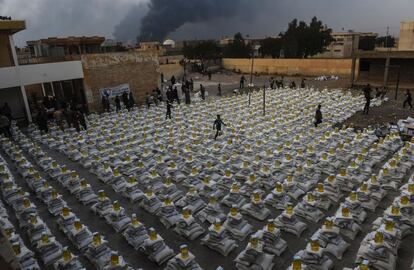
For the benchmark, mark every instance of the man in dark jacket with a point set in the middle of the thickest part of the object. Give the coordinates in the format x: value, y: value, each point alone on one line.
x: 217, y: 126
x: 318, y: 116
x: 7, y: 111
x: 408, y: 99
x: 367, y: 94
x: 168, y: 114
x: 41, y: 120
x: 242, y: 80
x: 117, y: 103
x: 5, y: 125
x: 187, y: 95
x: 125, y: 99
x: 202, y: 92
x: 131, y: 100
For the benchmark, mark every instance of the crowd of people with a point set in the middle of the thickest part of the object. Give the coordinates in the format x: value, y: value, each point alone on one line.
x: 127, y: 100
x: 72, y: 114
x: 69, y: 116
x: 380, y: 94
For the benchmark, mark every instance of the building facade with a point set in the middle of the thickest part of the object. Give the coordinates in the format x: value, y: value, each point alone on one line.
x: 68, y: 71
x: 140, y: 72
x: 344, y: 44
x: 18, y: 83
x: 406, y: 40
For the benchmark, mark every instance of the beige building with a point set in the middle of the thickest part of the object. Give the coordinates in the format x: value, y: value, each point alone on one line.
x: 406, y: 41
x: 343, y: 45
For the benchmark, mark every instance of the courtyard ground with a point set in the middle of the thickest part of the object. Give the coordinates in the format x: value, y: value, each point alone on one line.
x: 389, y: 112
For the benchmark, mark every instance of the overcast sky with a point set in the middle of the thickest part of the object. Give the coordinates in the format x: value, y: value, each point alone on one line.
x: 46, y: 18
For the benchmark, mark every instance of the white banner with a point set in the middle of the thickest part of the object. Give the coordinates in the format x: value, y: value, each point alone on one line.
x: 112, y: 92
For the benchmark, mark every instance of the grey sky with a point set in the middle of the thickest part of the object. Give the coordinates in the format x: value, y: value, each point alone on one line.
x: 47, y: 18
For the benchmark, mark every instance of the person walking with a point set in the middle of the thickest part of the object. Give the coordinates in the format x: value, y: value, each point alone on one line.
x: 5, y: 125
x: 219, y: 90
x: 302, y: 84
x: 125, y: 100
x: 7, y: 111
x: 168, y: 114
x: 202, y: 92
x: 187, y: 96
x: 41, y: 120
x: 318, y: 116
x: 175, y: 94
x: 367, y: 94
x: 217, y: 126
x: 117, y: 103
x: 80, y: 118
x: 105, y: 104
x: 242, y: 80
x: 131, y: 101
x: 408, y: 99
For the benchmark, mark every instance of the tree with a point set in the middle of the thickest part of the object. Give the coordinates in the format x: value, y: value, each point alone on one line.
x: 385, y: 41
x: 301, y: 40
x: 270, y: 47
x: 366, y: 43
x: 202, y: 50
x: 238, y: 48
x: 318, y: 37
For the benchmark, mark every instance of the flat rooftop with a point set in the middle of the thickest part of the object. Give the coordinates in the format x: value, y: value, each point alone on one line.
x: 12, y: 26
x: 68, y: 40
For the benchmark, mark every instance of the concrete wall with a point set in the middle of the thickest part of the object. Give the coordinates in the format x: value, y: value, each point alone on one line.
x: 33, y: 74
x: 6, y: 58
x: 290, y: 67
x: 113, y: 69
x: 171, y: 69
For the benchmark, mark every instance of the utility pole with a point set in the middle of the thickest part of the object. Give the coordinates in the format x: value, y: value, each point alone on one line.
x: 387, y: 62
x: 353, y: 61
x: 251, y: 70
x: 251, y: 78
x: 386, y: 37
x: 264, y: 100
x: 398, y: 83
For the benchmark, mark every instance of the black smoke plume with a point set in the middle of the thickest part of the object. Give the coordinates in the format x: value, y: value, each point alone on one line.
x: 166, y: 16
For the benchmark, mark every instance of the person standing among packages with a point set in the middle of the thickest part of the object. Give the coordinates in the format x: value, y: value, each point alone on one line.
x: 217, y: 126
x: 408, y: 99
x: 318, y: 116
x: 367, y: 94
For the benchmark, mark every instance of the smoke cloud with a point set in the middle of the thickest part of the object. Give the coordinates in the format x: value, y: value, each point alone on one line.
x: 166, y: 16
x: 201, y: 19
x: 128, y: 29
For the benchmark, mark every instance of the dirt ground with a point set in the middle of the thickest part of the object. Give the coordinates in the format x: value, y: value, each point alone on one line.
x: 389, y: 112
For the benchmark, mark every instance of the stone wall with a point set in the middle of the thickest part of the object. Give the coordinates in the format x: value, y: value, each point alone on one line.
x: 171, y: 69
x: 291, y: 67
x: 113, y: 69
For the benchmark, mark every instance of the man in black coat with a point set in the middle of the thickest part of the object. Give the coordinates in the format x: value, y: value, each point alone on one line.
x: 217, y: 126
x: 318, y: 116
